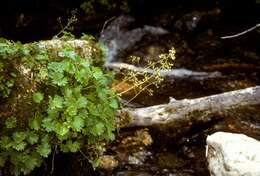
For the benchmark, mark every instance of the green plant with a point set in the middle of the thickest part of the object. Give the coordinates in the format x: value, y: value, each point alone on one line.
x: 7, y: 77
x: 65, y: 31
x: 56, y: 100
x: 142, y: 81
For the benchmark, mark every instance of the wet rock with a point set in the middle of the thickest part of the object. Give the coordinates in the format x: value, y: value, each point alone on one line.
x: 139, y: 158
x: 108, y: 162
x: 191, y: 21
x: 231, y: 154
x: 117, y: 37
x: 138, y: 142
x: 131, y: 149
x: 170, y: 160
x: 133, y: 173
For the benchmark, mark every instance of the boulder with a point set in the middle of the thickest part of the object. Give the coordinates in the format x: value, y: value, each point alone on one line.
x: 230, y: 154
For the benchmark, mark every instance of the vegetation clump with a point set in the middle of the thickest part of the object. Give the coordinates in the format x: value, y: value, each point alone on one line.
x: 144, y: 80
x: 92, y: 6
x: 52, y: 97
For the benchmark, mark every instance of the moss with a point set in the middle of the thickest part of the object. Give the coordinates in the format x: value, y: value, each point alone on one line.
x: 60, y: 97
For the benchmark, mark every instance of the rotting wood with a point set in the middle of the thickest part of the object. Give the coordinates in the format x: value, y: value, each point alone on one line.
x: 183, y: 113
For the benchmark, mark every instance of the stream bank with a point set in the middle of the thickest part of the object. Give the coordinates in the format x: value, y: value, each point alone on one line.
x: 194, y: 30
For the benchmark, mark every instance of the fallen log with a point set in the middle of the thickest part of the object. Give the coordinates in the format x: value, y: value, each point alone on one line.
x: 184, y: 113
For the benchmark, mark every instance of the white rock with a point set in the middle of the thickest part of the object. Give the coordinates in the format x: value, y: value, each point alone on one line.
x: 231, y: 154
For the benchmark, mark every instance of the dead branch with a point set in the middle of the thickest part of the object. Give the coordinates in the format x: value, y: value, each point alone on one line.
x: 183, y: 113
x: 172, y: 73
x: 241, y: 33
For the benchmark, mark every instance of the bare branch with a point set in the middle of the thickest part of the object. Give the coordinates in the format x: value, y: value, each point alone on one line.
x: 171, y: 73
x: 241, y: 33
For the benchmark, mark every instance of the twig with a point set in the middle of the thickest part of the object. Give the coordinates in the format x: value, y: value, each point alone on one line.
x: 129, y: 101
x: 134, y: 86
x: 122, y: 83
x: 83, y: 154
x: 105, y: 24
x: 69, y: 23
x: 53, y: 158
x: 241, y: 33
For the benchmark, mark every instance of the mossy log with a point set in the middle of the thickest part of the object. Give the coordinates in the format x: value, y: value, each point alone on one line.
x: 25, y: 61
x: 53, y: 95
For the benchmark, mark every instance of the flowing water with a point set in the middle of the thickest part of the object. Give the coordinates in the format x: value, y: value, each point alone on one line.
x: 198, y: 49
x: 195, y: 32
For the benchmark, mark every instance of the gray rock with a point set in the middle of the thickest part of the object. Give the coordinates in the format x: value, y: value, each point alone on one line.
x: 230, y: 154
x: 117, y: 37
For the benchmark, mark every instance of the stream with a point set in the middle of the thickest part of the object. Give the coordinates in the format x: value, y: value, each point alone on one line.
x: 199, y: 48
x: 195, y: 32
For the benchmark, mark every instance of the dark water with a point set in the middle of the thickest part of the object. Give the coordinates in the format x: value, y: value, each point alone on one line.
x: 196, y: 38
